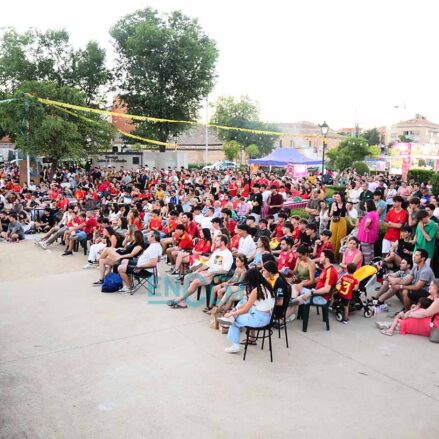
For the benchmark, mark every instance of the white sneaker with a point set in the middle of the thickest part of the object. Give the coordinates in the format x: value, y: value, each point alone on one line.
x: 226, y: 321
x: 234, y: 349
x: 383, y: 325
x: 88, y: 265
x: 43, y: 245
x: 291, y: 318
x: 125, y: 290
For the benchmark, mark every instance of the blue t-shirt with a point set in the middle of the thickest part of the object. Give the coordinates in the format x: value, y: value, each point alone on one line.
x: 381, y: 205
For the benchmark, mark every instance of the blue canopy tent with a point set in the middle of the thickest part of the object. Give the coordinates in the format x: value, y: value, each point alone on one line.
x: 283, y: 157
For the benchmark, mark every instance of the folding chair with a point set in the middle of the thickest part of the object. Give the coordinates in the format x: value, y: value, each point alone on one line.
x: 151, y: 280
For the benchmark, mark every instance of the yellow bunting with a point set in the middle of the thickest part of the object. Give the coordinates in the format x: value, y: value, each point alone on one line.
x: 124, y: 133
x: 160, y: 120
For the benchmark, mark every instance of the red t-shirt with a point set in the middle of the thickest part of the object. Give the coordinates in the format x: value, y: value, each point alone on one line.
x: 347, y: 285
x: 203, y: 246
x: 393, y: 234
x: 325, y: 246
x: 286, y: 259
x: 62, y: 204
x: 192, y: 229
x: 230, y: 226
x: 235, y: 241
x: 232, y: 189
x: 155, y: 224
x: 245, y: 191
x: 278, y: 231
x: 90, y: 225
x: 296, y: 233
x: 329, y: 276
x: 170, y: 226
x: 185, y: 242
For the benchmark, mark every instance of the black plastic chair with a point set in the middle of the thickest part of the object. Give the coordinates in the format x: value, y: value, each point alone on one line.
x: 269, y: 328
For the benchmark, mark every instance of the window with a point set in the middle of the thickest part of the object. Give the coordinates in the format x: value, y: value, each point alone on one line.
x: 136, y: 161
x: 115, y: 149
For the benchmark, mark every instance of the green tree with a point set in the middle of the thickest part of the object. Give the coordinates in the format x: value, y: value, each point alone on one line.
x: 243, y: 113
x: 232, y: 150
x: 349, y: 151
x: 374, y: 151
x: 41, y: 130
x: 361, y: 168
x: 49, y: 56
x: 89, y: 73
x: 165, y: 67
x: 372, y: 136
x: 252, y: 151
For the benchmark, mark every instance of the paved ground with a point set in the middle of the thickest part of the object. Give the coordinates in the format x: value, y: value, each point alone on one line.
x: 75, y: 363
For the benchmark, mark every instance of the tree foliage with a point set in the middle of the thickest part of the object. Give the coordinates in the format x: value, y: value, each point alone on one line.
x: 232, y: 150
x: 49, y: 56
x: 243, y: 113
x: 165, y: 66
x: 372, y: 136
x: 374, y: 151
x: 252, y: 151
x: 349, y: 151
x: 41, y: 130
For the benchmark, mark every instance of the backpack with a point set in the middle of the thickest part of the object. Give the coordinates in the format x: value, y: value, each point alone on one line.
x: 112, y: 283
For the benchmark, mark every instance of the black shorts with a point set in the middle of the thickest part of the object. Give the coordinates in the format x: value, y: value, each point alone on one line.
x: 142, y: 272
x: 414, y: 296
x: 344, y: 302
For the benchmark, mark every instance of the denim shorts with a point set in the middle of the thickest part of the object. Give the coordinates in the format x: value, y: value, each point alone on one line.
x: 80, y: 236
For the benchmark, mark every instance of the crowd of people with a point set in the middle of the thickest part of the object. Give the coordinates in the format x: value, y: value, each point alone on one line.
x: 234, y: 231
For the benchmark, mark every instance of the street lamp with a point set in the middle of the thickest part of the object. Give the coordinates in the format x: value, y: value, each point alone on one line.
x: 324, y: 129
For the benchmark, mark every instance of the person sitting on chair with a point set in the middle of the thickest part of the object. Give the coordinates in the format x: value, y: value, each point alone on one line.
x: 147, y: 260
x: 325, y: 283
x: 220, y: 262
x: 255, y: 312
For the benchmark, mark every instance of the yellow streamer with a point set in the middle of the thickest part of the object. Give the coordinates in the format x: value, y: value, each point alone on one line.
x: 124, y: 133
x: 159, y: 120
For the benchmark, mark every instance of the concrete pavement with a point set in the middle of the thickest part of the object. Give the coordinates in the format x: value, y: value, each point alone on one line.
x: 76, y: 363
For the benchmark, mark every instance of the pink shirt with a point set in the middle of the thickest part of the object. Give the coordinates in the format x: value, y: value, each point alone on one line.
x: 374, y: 227
x: 349, y: 256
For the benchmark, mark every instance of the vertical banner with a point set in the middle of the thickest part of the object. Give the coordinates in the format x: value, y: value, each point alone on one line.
x: 290, y: 170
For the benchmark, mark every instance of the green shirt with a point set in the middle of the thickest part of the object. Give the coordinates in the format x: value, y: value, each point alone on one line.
x: 431, y: 230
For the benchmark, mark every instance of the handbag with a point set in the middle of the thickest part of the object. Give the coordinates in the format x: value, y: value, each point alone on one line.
x: 335, y: 219
x: 434, y: 334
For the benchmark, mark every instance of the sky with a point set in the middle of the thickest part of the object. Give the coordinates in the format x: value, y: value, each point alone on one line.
x: 342, y: 61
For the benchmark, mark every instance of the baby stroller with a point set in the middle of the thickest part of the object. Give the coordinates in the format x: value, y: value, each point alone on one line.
x: 365, y: 276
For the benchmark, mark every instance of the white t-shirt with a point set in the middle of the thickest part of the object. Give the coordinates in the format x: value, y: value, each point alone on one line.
x: 247, y: 246
x: 265, y: 195
x: 154, y: 251
x: 206, y: 222
x: 220, y: 261
x: 265, y: 305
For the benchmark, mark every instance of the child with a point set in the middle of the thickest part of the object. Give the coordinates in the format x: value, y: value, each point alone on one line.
x: 348, y: 284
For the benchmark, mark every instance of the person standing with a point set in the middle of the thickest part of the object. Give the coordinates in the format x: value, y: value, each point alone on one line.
x: 425, y: 236
x: 394, y: 220
x: 368, y: 231
x: 338, y: 221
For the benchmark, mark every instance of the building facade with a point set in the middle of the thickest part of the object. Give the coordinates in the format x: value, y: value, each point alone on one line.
x: 417, y: 130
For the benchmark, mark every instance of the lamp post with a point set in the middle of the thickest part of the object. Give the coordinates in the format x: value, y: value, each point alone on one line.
x: 324, y: 129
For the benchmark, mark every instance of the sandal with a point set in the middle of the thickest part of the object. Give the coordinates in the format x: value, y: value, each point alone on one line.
x: 172, y: 302
x: 206, y: 310
x: 386, y: 332
x: 178, y: 306
x: 251, y: 342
